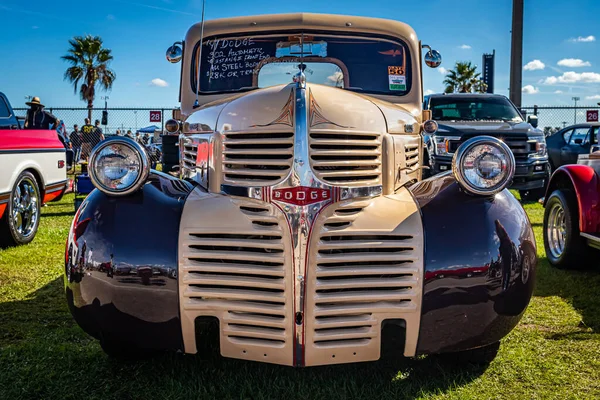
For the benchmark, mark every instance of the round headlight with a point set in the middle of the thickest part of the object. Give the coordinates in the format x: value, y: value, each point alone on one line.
x: 172, y: 126
x: 430, y: 126
x: 483, y: 165
x: 118, y: 166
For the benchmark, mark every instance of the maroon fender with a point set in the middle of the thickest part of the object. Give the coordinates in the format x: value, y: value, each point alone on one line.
x: 584, y: 181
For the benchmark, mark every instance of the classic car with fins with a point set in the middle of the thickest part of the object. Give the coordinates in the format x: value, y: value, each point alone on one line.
x: 299, y: 230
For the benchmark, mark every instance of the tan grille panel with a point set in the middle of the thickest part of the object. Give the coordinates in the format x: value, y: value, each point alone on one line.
x: 365, y: 267
x: 346, y: 157
x: 257, y: 158
x: 235, y: 265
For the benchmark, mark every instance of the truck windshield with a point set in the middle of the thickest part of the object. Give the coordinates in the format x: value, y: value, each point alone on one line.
x: 369, y: 65
x: 471, y: 108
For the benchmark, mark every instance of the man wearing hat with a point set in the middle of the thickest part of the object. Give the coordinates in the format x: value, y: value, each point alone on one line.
x: 37, y: 117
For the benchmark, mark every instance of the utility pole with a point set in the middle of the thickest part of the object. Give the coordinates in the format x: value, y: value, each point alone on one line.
x: 516, y: 53
x: 575, y: 99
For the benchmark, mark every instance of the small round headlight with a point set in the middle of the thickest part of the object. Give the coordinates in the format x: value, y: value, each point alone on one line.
x: 430, y: 126
x: 118, y: 166
x: 483, y: 165
x: 172, y: 126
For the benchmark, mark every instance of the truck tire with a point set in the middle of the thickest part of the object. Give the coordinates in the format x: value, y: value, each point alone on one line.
x: 21, y: 218
x: 565, y: 248
x: 170, y: 158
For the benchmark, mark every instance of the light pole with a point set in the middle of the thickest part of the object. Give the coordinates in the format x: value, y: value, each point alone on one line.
x: 575, y: 99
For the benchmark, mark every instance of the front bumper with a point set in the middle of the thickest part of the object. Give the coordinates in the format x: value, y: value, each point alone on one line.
x: 369, y: 266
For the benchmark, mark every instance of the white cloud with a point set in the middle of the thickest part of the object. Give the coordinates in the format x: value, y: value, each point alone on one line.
x: 442, y: 70
x: 465, y: 47
x: 337, y: 76
x: 534, y: 65
x: 558, y: 91
x: 573, y: 77
x: 530, y: 89
x: 158, y: 82
x: 583, y: 39
x: 429, y: 91
x: 573, y: 63
x: 594, y: 97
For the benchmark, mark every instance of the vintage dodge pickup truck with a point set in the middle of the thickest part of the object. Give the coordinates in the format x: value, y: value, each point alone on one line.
x: 299, y: 230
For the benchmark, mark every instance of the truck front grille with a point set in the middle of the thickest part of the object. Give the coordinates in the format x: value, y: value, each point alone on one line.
x: 411, y: 155
x: 345, y: 157
x: 359, y: 277
x: 190, y: 152
x: 256, y: 158
x: 241, y: 275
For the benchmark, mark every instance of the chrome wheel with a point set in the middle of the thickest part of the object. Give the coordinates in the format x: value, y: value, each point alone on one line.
x: 25, y: 208
x: 556, y: 230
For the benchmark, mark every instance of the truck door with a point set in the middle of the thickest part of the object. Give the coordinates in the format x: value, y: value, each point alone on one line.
x: 7, y: 117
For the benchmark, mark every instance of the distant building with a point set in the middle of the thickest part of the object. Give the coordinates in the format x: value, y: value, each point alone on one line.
x: 488, y: 71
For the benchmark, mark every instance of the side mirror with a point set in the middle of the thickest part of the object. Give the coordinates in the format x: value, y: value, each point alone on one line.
x: 433, y: 58
x: 533, y: 120
x: 174, y: 53
x: 578, y: 141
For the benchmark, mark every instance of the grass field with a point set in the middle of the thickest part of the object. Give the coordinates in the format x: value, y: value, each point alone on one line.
x: 554, y: 353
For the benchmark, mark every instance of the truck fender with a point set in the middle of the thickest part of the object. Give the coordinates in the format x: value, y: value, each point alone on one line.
x: 584, y: 181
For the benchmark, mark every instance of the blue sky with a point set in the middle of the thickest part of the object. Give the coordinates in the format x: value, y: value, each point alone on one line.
x: 561, y: 44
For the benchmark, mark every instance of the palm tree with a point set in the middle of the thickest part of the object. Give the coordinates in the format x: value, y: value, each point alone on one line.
x: 464, y: 78
x: 89, y: 66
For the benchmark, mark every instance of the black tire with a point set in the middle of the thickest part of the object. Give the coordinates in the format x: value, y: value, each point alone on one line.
x: 11, y: 231
x: 170, y: 150
x: 479, y: 356
x: 166, y: 168
x: 170, y: 140
x: 575, y: 252
x: 532, y: 195
x: 170, y: 158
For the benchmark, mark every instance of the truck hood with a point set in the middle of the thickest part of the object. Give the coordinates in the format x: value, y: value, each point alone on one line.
x: 483, y: 127
x: 272, y: 109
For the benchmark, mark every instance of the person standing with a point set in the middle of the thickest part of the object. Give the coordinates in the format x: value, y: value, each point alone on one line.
x: 87, y: 133
x: 129, y: 135
x: 37, y: 117
x: 138, y: 138
x: 76, y: 141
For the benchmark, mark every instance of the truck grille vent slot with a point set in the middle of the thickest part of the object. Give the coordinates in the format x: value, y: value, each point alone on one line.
x: 190, y: 152
x: 411, y: 155
x: 256, y: 158
x: 346, y: 157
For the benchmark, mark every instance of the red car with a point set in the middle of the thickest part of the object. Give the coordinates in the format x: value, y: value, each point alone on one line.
x: 572, y: 214
x: 33, y: 172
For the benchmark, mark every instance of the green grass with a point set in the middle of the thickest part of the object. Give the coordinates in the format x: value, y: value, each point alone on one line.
x: 554, y: 353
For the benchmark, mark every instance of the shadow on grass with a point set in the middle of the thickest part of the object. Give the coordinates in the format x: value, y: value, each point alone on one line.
x: 59, y: 214
x: 44, y: 354
x: 577, y: 287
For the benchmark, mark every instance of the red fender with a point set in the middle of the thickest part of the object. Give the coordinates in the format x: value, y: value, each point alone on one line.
x: 584, y: 180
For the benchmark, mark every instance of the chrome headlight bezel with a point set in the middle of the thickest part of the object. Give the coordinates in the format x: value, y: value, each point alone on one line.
x: 144, y: 162
x: 458, y: 167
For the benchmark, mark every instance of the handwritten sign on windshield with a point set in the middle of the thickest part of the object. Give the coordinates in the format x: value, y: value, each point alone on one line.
x: 235, y: 58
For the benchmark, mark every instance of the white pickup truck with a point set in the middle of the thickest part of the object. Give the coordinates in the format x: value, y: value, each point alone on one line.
x: 33, y: 172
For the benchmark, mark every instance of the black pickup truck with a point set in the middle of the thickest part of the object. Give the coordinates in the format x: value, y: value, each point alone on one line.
x: 8, y: 119
x: 463, y: 116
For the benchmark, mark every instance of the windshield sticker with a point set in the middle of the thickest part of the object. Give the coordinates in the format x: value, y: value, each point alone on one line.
x: 393, y: 52
x: 397, y: 80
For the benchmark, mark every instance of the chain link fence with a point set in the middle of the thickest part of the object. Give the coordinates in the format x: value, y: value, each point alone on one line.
x: 552, y: 119
x: 145, y: 125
